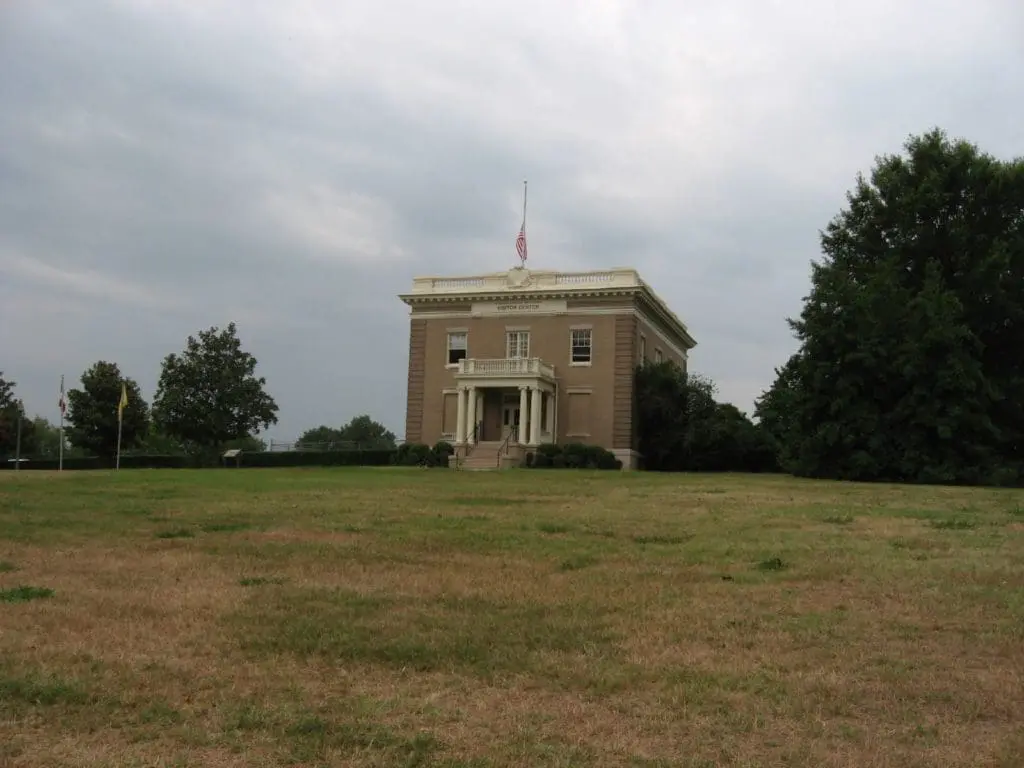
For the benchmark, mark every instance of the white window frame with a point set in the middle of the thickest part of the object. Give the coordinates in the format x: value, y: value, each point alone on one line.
x: 659, y: 356
x: 520, y: 348
x: 449, y: 348
x: 589, y: 331
x: 449, y: 436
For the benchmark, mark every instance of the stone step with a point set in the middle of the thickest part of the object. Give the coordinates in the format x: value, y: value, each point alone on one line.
x: 480, y: 461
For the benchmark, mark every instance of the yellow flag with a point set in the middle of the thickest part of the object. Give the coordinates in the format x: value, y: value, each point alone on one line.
x: 124, y: 401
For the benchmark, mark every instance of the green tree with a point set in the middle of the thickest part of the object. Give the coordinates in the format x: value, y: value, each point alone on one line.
x: 321, y: 436
x: 209, y: 394
x: 6, y: 391
x: 775, y: 409
x: 909, y: 366
x: 367, y: 433
x: 362, y: 431
x: 682, y: 427
x: 248, y: 444
x: 11, y: 410
x: 661, y: 396
x: 92, y: 411
x: 45, y: 441
x: 156, y: 443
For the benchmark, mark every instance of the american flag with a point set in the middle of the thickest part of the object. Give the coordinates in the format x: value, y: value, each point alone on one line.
x: 521, y: 242
x: 62, y: 403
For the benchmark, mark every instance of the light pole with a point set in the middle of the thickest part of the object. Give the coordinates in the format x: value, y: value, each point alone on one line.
x: 17, y: 445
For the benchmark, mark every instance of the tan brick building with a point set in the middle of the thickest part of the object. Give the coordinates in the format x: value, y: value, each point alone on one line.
x: 503, y: 362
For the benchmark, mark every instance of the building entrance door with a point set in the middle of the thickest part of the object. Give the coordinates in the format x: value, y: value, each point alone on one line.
x: 509, y: 420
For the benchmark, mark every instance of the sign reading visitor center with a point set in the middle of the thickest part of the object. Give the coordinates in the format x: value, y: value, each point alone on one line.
x: 539, y: 307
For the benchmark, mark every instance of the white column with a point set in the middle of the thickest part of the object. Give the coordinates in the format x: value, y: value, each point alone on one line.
x: 479, y: 409
x: 550, y: 426
x: 554, y: 424
x: 471, y: 415
x: 535, y: 417
x: 460, y: 416
x: 523, y: 413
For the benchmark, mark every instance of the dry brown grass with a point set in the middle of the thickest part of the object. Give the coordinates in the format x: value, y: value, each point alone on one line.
x: 382, y: 617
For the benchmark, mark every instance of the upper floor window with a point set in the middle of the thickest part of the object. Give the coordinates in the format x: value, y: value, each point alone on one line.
x: 658, y: 356
x: 517, y: 344
x: 643, y: 348
x: 457, y: 346
x: 580, y: 345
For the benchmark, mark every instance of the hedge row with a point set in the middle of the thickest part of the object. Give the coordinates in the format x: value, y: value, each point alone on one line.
x: 568, y: 456
x: 95, y: 462
x: 367, y: 458
x: 374, y: 457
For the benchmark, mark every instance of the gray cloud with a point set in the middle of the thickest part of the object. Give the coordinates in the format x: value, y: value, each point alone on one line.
x: 167, y: 166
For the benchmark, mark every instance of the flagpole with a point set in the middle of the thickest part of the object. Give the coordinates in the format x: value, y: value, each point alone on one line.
x: 522, y: 229
x: 524, y: 204
x: 17, y: 443
x: 60, y: 447
x: 117, y: 464
x: 121, y: 404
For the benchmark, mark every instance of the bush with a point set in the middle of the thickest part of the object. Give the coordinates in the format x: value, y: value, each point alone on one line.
x: 440, y: 453
x: 573, y: 456
x: 420, y: 454
x: 546, y: 454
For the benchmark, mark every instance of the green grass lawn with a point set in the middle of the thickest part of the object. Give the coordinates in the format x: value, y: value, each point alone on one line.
x: 388, y: 617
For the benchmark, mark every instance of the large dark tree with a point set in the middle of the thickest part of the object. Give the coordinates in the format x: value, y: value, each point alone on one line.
x: 909, y: 366
x: 209, y: 394
x: 6, y: 391
x: 776, y: 412
x: 92, y: 411
x: 682, y: 427
x: 11, y: 410
x: 662, y: 396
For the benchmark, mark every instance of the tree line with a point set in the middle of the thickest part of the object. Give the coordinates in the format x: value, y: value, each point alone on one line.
x: 208, y: 399
x: 910, y: 365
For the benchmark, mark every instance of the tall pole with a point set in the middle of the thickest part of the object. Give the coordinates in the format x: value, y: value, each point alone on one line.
x: 17, y: 444
x: 121, y: 405
x: 117, y: 462
x: 60, y: 447
x: 524, y: 205
x: 521, y: 239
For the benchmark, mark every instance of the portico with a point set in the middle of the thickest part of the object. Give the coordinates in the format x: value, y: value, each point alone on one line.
x: 511, y: 400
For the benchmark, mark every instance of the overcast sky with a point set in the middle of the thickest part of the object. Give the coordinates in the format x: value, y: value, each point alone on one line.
x: 169, y: 166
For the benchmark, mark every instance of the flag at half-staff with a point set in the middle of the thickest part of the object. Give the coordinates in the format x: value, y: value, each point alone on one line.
x: 521, y: 238
x: 121, y: 405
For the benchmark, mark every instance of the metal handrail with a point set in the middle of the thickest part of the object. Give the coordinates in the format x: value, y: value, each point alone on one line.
x: 504, y: 443
x: 467, y: 445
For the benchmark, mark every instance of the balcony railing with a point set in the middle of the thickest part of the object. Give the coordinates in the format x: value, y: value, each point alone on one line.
x: 539, y: 281
x: 517, y: 366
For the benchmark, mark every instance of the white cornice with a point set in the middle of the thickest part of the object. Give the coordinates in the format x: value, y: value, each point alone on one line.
x: 518, y: 295
x: 524, y: 284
